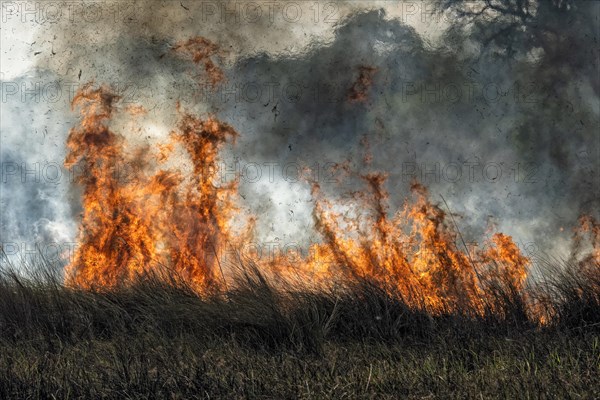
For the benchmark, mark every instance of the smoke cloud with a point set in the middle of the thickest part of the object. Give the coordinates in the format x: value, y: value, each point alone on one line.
x: 505, y: 132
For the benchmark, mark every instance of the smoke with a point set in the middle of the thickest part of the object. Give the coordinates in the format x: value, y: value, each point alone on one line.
x: 509, y: 142
x: 36, y: 197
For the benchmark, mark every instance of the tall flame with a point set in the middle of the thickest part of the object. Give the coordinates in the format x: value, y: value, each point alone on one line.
x: 164, y: 219
x: 414, y: 253
x: 179, y: 222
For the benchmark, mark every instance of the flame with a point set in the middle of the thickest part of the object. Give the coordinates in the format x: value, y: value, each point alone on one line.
x: 414, y: 253
x: 164, y: 218
x: 180, y: 221
x: 202, y: 51
x: 153, y: 220
x: 586, y: 233
x: 590, y: 227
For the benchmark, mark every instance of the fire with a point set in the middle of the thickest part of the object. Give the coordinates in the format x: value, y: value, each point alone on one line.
x: 590, y: 227
x: 414, y: 253
x: 178, y: 222
x: 587, y: 233
x: 152, y: 220
x: 166, y: 219
x: 202, y: 51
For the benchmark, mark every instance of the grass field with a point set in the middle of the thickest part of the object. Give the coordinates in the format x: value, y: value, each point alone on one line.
x: 151, y: 365
x: 159, y: 340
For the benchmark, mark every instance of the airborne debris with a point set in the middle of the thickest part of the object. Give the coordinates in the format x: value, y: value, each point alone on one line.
x: 359, y: 90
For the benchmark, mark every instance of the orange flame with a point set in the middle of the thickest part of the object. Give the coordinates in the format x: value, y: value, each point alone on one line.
x: 414, y: 254
x: 164, y: 219
x: 155, y: 220
x: 179, y: 222
x: 201, y: 51
x: 588, y: 228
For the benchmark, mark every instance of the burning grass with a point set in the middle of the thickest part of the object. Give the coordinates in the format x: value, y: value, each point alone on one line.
x: 158, y: 218
x: 143, y: 311
x: 173, y: 225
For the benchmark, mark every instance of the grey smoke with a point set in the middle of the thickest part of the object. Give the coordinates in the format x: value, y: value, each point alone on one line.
x: 505, y: 117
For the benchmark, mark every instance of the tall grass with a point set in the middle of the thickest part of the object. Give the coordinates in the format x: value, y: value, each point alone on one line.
x: 158, y: 338
x: 261, y: 313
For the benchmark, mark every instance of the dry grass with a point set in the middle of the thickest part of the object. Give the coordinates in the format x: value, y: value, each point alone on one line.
x: 161, y: 340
